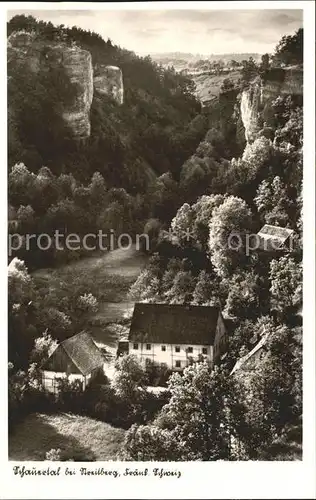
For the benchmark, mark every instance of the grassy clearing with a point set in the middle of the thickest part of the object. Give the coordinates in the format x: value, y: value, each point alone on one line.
x: 108, y: 277
x: 79, y: 438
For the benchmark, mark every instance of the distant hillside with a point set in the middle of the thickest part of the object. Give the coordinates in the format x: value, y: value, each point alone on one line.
x: 182, y: 60
x: 207, y: 71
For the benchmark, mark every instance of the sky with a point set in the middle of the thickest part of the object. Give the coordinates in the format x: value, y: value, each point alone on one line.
x: 192, y: 31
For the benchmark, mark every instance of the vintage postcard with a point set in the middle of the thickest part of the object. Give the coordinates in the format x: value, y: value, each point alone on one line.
x: 160, y: 275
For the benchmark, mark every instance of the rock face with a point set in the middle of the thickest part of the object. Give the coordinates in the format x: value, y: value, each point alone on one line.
x: 258, y: 97
x: 108, y: 80
x: 20, y: 48
x: 26, y: 49
x: 249, y: 109
x: 77, y: 65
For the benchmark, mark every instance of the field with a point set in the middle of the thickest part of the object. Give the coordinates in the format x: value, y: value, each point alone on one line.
x: 108, y: 277
x: 79, y: 438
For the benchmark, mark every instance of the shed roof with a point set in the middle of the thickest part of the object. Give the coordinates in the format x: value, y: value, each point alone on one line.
x: 273, y: 237
x: 83, y: 352
x: 242, y: 362
x: 174, y: 324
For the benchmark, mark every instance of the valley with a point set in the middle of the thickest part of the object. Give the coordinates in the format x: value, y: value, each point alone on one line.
x: 204, y: 156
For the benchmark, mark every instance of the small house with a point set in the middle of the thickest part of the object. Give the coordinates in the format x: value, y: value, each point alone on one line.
x: 275, y: 238
x: 177, y: 334
x: 77, y: 358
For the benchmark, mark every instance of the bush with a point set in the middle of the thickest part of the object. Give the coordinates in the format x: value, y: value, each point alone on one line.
x: 53, y: 455
x: 25, y: 395
x: 157, y: 373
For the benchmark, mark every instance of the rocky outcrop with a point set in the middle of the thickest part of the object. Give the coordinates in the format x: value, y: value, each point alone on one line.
x: 27, y: 50
x: 257, y: 98
x: 77, y: 65
x: 108, y: 80
x: 286, y: 81
x: 20, y: 50
x: 249, y: 109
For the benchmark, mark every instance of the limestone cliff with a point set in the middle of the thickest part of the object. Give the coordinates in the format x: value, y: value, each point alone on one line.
x: 25, y: 49
x: 257, y: 98
x: 108, y: 80
x: 77, y: 64
x: 249, y: 109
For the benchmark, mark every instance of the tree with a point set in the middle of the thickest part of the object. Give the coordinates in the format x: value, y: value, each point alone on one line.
x: 243, y: 296
x: 227, y: 85
x: 273, y: 389
x: 249, y: 69
x: 273, y: 203
x: 98, y: 190
x: 202, y: 211
x: 197, y: 423
x: 206, y: 289
x: 129, y: 378
x: 26, y: 219
x: 146, y: 287
x: 21, y: 185
x: 149, y: 443
x: 87, y: 303
x: 21, y: 329
x: 265, y: 63
x: 228, y: 226
x: 181, y: 226
x: 182, y: 288
x: 152, y: 230
x: 292, y: 131
x: 290, y: 49
x: 257, y: 156
x: 286, y: 286
x: 43, y: 348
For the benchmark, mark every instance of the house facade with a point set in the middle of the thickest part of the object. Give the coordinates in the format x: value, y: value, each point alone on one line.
x: 177, y: 334
x: 77, y: 358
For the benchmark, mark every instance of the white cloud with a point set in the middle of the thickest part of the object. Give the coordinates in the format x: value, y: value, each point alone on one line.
x: 183, y: 31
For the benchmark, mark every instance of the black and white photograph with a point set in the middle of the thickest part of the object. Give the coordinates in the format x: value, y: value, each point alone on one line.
x: 156, y: 212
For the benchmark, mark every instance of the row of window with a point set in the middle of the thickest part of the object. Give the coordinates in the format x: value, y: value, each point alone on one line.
x: 177, y: 363
x: 189, y: 350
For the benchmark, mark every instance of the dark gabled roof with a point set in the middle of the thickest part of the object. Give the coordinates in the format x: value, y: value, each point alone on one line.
x: 273, y: 237
x: 251, y: 356
x: 83, y: 352
x: 174, y: 324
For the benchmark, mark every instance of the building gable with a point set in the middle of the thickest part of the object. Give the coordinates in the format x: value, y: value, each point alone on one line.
x: 60, y: 362
x: 78, y: 354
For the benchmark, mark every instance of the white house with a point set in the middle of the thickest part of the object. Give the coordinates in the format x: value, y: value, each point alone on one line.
x: 177, y: 334
x: 77, y: 358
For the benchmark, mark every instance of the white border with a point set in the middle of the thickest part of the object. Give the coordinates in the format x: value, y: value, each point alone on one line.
x: 253, y: 480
